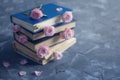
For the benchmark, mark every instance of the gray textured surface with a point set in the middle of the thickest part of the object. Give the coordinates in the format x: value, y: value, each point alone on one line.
x: 96, y: 56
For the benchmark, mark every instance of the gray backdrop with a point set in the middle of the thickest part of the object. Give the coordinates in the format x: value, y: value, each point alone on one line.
x: 95, y: 56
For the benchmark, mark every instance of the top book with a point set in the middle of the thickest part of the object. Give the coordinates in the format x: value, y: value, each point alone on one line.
x: 52, y: 14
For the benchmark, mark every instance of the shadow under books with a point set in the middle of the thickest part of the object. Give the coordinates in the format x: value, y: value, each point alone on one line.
x: 7, y: 53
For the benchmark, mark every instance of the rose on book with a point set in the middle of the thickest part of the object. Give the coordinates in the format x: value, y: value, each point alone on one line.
x: 22, y: 39
x: 16, y: 28
x: 36, y: 13
x: 67, y: 33
x: 58, y: 55
x: 49, y: 30
x: 67, y: 16
x: 43, y: 51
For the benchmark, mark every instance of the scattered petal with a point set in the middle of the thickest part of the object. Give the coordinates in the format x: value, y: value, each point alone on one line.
x: 22, y: 73
x: 59, y: 9
x: 38, y: 73
x: 6, y: 64
x: 23, y: 61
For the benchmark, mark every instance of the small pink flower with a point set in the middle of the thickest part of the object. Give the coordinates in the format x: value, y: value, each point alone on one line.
x: 22, y: 39
x: 23, y: 61
x: 6, y: 64
x: 49, y: 30
x: 67, y: 34
x: 22, y: 73
x: 36, y: 13
x: 58, y: 55
x: 43, y: 51
x: 16, y: 28
x: 67, y: 16
x: 59, y: 9
x: 38, y: 73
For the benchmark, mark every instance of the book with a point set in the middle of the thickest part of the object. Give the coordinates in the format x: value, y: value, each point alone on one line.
x: 32, y: 55
x: 42, y: 62
x: 34, y: 45
x: 53, y: 17
x: 40, y: 34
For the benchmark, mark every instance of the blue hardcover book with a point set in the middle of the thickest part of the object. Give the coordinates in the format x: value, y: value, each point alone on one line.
x: 59, y: 27
x: 52, y: 17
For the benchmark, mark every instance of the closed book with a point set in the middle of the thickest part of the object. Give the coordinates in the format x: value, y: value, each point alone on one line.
x: 52, y: 17
x: 61, y: 47
x: 34, y: 45
x: 40, y: 34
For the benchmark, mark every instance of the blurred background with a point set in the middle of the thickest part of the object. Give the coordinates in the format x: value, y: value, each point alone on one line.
x: 95, y: 56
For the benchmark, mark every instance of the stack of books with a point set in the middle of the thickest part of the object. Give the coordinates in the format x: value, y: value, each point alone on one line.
x: 43, y: 33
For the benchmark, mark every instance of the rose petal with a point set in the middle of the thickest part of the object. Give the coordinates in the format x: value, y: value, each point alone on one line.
x: 59, y: 9
x: 23, y: 61
x: 6, y: 64
x: 22, y: 73
x: 38, y: 73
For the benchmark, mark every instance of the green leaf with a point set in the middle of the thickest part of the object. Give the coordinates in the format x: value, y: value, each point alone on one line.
x: 44, y: 15
x: 40, y: 6
x: 27, y: 12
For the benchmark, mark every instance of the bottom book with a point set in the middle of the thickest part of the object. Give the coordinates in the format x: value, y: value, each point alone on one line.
x: 61, y: 47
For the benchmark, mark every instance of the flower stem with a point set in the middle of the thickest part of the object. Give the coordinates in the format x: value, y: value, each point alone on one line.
x: 40, y: 6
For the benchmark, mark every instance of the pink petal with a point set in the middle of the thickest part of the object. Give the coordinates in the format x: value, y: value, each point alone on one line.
x: 38, y: 73
x: 22, y: 73
x: 23, y: 61
x: 59, y: 9
x: 6, y: 64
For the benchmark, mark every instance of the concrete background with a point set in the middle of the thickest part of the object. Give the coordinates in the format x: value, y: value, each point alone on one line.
x: 96, y: 55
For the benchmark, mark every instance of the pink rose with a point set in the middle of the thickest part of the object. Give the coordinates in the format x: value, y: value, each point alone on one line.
x: 36, y: 13
x: 22, y: 39
x: 16, y: 28
x: 43, y: 51
x: 58, y: 55
x: 67, y: 34
x: 67, y: 16
x: 49, y: 30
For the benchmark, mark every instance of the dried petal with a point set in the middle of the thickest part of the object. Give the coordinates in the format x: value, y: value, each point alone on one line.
x: 23, y: 61
x: 38, y: 73
x: 22, y: 73
x: 6, y: 64
x: 59, y: 9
